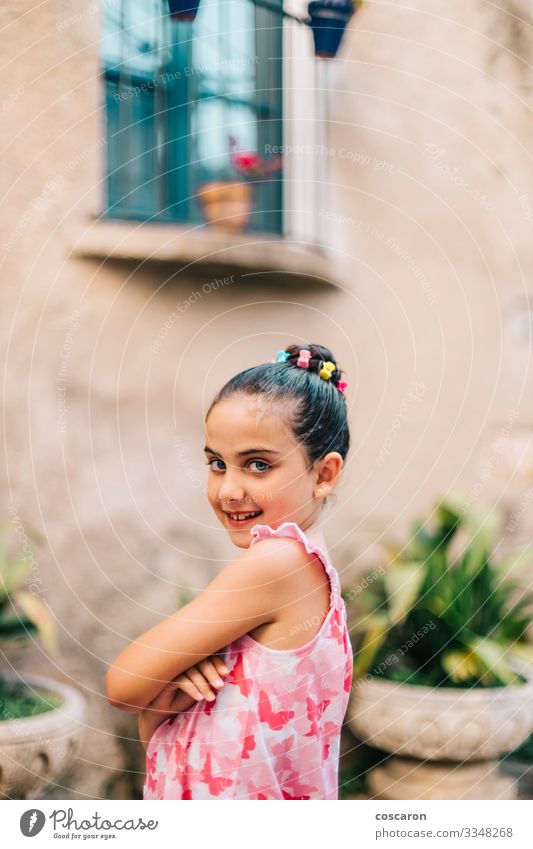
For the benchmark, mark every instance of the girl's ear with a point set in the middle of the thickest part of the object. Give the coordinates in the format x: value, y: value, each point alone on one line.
x: 328, y: 473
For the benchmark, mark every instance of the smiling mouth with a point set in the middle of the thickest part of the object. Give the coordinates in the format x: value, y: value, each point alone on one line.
x: 241, y: 518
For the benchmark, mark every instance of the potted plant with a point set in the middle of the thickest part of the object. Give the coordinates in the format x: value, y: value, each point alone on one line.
x: 42, y: 720
x: 441, y: 670
x: 328, y: 20
x: 227, y: 204
x: 183, y: 10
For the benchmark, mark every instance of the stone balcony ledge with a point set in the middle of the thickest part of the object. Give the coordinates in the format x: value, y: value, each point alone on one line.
x: 201, y: 249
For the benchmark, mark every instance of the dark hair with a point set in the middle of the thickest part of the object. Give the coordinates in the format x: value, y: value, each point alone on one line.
x: 318, y: 418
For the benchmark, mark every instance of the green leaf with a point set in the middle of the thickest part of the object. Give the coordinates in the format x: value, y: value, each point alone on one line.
x: 461, y: 665
x: 38, y: 613
x: 375, y: 632
x: 13, y: 575
x: 492, y: 656
x: 482, y: 525
x: 402, y: 583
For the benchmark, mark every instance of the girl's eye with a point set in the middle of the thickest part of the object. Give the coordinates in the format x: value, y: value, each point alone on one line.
x: 215, y: 460
x: 261, y: 463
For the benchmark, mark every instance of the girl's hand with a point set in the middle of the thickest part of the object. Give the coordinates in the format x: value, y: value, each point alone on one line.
x: 199, y: 681
x: 193, y: 685
x: 180, y: 694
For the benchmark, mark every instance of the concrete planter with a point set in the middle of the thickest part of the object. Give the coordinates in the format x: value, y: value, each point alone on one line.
x: 448, y: 726
x: 35, y: 750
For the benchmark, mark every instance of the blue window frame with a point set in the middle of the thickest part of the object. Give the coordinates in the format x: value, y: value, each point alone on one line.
x: 174, y: 94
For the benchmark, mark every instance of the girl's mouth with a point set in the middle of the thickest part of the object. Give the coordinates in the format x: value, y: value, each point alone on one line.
x: 239, y: 519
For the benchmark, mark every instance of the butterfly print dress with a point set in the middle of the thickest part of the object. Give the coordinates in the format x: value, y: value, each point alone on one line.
x: 273, y: 731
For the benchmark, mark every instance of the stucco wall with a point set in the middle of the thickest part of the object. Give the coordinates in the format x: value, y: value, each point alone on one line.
x: 429, y: 186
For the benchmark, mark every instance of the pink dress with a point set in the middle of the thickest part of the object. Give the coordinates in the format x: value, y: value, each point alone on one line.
x: 273, y: 731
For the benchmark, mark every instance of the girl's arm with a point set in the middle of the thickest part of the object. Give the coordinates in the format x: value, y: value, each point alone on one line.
x: 180, y: 694
x: 249, y: 592
x: 150, y: 719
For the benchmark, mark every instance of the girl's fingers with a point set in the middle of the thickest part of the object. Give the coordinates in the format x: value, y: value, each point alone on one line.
x: 210, y: 673
x: 198, y: 679
x: 219, y: 664
x: 187, y: 686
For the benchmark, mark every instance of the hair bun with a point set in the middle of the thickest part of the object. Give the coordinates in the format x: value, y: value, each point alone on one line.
x: 319, y: 356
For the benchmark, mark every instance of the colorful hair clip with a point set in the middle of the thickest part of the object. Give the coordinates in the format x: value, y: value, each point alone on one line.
x: 303, y: 358
x: 282, y: 357
x: 327, y: 370
x: 341, y: 386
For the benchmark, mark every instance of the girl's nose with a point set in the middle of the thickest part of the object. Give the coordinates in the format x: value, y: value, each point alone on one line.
x: 231, y: 489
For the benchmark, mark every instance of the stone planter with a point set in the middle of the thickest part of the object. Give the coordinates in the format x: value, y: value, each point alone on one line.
x: 35, y: 750
x: 226, y: 204
x: 461, y: 732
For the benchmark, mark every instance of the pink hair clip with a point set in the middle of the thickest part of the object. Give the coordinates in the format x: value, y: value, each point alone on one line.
x: 341, y: 386
x: 303, y: 358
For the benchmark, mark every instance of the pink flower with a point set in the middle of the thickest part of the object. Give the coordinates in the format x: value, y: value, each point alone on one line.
x: 250, y: 165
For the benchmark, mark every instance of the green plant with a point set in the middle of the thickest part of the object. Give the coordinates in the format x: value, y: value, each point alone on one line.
x: 443, y: 613
x: 22, y: 613
x: 17, y: 700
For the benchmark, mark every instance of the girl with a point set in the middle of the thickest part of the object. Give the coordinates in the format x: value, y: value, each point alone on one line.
x: 242, y: 692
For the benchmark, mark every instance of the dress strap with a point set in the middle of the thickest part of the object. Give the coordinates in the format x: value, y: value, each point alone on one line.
x: 291, y: 529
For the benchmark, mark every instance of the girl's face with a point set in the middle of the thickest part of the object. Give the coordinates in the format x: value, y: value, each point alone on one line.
x: 257, y: 467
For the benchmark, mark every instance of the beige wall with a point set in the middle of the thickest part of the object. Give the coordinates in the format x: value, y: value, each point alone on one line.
x: 423, y: 325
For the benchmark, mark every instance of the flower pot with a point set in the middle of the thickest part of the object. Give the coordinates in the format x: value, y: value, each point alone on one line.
x: 36, y: 750
x: 226, y: 204
x: 183, y: 10
x: 328, y: 22
x: 441, y: 725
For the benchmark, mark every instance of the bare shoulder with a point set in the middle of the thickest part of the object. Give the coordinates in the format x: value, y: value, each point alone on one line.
x: 277, y: 558
x: 267, y: 561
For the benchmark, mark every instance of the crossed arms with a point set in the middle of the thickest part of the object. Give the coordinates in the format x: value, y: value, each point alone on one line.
x: 250, y: 591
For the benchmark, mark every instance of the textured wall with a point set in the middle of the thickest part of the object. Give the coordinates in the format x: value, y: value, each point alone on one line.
x: 428, y: 207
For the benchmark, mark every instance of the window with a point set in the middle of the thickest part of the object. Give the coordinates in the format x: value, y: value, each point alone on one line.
x: 175, y: 92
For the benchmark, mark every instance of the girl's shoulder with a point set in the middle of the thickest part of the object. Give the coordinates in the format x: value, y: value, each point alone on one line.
x: 290, y: 531
x: 278, y: 555
x: 291, y: 550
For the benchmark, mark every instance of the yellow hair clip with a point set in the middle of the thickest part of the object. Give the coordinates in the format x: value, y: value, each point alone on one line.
x: 327, y: 370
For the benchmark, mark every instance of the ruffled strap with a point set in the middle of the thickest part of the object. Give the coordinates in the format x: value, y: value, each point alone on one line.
x: 291, y: 529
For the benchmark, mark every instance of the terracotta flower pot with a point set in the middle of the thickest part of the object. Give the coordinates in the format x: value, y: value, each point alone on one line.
x: 226, y: 204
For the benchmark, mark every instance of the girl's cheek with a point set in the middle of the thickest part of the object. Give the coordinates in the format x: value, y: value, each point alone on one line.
x: 212, y: 495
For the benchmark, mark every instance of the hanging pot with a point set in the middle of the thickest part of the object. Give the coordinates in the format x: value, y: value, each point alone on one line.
x: 226, y: 204
x: 328, y: 22
x: 183, y: 10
